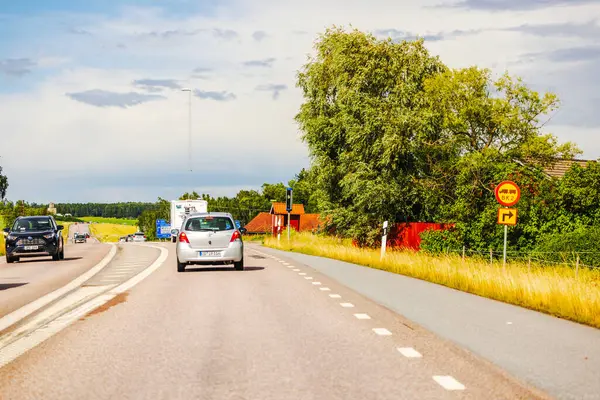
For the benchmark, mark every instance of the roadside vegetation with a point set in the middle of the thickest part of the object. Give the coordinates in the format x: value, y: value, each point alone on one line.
x: 109, y: 220
x: 558, y: 290
x: 111, y: 232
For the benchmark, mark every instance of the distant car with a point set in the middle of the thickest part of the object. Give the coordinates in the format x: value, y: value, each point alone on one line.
x: 139, y: 237
x: 87, y: 235
x: 34, y: 236
x: 209, y: 238
x: 80, y: 238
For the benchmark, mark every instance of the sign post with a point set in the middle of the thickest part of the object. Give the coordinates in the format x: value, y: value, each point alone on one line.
x: 507, y: 194
x: 288, y: 206
x: 384, y: 239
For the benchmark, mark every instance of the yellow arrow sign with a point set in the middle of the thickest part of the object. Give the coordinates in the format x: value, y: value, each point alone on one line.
x: 507, y: 216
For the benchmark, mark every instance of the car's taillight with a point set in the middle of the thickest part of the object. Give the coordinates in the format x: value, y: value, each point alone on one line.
x: 183, y: 238
x: 236, y: 236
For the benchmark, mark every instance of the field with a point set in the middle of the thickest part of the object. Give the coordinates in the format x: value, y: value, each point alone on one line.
x: 553, y: 290
x: 116, y: 221
x: 106, y: 232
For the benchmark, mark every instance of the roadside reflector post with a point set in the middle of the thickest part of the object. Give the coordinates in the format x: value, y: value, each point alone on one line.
x: 491, y: 256
x: 463, y: 258
x: 577, y: 267
x: 289, y: 205
x: 384, y: 239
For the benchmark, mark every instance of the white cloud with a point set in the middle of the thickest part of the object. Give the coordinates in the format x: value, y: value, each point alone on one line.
x: 146, y: 52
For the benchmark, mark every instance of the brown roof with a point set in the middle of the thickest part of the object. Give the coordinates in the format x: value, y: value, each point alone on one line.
x: 262, y: 223
x: 279, y: 208
x: 310, y: 222
x: 560, y: 167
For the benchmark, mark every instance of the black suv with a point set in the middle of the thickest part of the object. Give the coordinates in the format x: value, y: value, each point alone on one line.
x: 34, y: 237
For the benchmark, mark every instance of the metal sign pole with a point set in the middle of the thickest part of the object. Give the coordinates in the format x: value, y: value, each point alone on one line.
x: 289, y: 220
x: 505, y: 235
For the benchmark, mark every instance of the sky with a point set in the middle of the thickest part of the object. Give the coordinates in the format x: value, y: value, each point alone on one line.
x: 92, y: 107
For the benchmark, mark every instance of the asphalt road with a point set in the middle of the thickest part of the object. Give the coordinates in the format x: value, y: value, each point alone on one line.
x: 558, y: 356
x: 31, y: 278
x: 269, y: 332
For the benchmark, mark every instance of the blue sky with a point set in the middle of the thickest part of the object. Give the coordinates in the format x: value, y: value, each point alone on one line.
x: 93, y: 108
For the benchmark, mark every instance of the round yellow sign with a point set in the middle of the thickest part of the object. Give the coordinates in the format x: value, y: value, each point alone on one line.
x: 507, y: 193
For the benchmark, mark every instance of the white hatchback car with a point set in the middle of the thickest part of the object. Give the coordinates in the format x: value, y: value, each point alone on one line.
x: 208, y: 239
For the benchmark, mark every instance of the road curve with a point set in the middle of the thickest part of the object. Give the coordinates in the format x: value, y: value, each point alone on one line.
x: 269, y: 332
x: 32, y: 278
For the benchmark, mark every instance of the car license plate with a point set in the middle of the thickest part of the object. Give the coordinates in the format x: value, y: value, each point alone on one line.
x: 31, y: 247
x: 210, y: 253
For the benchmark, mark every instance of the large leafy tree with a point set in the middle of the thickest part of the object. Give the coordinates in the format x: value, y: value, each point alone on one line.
x: 396, y: 135
x: 3, y: 185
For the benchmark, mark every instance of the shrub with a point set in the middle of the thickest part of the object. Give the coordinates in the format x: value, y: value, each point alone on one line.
x: 435, y: 241
x: 564, y: 247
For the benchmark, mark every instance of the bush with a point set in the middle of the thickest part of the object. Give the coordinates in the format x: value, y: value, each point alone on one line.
x: 62, y: 218
x: 435, y: 241
x: 564, y: 247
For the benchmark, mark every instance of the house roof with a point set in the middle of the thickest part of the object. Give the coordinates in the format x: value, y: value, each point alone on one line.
x: 262, y: 223
x: 310, y: 222
x: 560, y: 167
x: 279, y: 208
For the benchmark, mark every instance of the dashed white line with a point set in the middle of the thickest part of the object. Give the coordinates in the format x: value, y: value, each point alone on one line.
x: 325, y: 289
x: 335, y: 296
x: 290, y: 266
x: 362, y: 316
x: 448, y: 382
x: 347, y: 305
x: 316, y: 283
x: 302, y: 273
x: 296, y: 270
x: 409, y: 352
x: 308, y: 277
x: 382, y: 331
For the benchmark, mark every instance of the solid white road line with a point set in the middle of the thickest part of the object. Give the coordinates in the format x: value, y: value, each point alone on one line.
x: 382, y: 331
x: 362, y: 316
x: 347, y: 305
x: 409, y: 352
x: 448, y: 382
x: 335, y: 296
x: 325, y: 289
x: 34, y: 306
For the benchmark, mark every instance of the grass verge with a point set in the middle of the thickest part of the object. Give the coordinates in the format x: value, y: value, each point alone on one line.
x: 552, y: 290
x: 111, y: 232
x: 116, y: 221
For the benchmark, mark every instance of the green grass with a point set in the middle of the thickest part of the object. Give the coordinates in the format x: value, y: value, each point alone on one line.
x: 553, y: 290
x: 116, y: 221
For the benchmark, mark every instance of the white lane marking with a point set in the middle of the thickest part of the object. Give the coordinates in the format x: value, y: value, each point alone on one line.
x: 34, y: 306
x: 362, y: 316
x: 291, y: 266
x: 409, y: 352
x: 448, y: 382
x: 382, y: 331
x: 335, y: 296
x: 308, y: 277
x: 302, y: 273
x: 325, y: 289
x: 285, y: 263
x: 296, y: 270
x: 48, y: 329
x: 347, y: 305
x: 316, y: 283
x: 509, y: 323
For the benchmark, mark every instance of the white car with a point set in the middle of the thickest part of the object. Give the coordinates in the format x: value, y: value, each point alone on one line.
x: 139, y: 237
x: 208, y: 239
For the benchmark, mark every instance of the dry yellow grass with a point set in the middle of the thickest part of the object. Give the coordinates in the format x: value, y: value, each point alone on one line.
x: 111, y: 232
x: 552, y: 290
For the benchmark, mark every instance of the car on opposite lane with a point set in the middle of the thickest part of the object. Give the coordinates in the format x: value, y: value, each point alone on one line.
x: 208, y: 239
x: 79, y: 238
x: 34, y: 236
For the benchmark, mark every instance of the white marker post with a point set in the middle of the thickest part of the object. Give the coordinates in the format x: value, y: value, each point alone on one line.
x: 278, y: 228
x: 384, y: 239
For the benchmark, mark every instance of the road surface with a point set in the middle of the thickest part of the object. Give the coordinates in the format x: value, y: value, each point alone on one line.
x: 278, y: 330
x: 558, y: 356
x: 31, y: 278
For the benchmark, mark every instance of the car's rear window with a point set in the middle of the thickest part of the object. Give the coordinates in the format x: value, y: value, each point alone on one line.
x: 209, y: 223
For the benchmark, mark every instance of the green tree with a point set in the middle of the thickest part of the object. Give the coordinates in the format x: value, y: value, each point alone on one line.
x: 3, y: 185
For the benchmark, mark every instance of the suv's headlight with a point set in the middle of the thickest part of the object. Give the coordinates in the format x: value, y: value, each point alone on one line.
x: 11, y: 237
x: 49, y: 235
